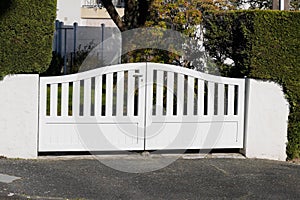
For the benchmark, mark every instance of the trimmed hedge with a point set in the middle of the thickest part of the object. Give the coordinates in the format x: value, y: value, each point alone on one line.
x: 26, y: 32
x: 263, y: 45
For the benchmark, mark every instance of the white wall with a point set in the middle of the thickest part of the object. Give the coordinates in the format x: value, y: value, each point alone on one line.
x: 68, y: 11
x: 19, y: 116
x: 266, y: 121
x: 97, y: 22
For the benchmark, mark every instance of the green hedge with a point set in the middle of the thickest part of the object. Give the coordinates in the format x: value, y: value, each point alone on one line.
x: 263, y: 45
x: 26, y: 32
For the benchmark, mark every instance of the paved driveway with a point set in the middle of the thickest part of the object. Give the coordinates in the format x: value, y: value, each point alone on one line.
x: 206, y: 178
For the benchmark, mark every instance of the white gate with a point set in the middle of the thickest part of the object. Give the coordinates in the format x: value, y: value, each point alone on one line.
x: 141, y: 106
x: 192, y: 110
x: 83, y: 112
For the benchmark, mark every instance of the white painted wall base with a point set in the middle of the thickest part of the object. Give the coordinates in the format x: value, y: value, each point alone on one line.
x: 266, y: 121
x: 19, y: 116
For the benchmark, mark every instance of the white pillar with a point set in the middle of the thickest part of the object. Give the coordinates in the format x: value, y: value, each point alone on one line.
x: 266, y: 121
x: 19, y: 116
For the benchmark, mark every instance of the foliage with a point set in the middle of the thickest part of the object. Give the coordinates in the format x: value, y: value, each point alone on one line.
x: 135, y: 13
x: 80, y: 56
x: 263, y: 45
x: 55, y: 66
x: 180, y: 16
x: 255, y: 4
x: 227, y: 37
x: 295, y: 4
x: 26, y: 32
x: 266, y: 4
x: 74, y: 62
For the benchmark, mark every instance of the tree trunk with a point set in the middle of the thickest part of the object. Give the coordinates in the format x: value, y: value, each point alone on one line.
x: 114, y: 15
x: 136, y: 13
x: 135, y: 16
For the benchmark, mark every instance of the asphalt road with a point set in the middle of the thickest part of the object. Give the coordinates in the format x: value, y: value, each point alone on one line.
x: 182, y: 179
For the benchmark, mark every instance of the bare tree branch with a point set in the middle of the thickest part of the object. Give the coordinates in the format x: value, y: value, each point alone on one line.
x: 114, y: 14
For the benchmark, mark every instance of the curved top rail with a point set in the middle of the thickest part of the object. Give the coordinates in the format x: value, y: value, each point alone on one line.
x: 194, y: 73
x: 92, y: 73
x: 133, y: 66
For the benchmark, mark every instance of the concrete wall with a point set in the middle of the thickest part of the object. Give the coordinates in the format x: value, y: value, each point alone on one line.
x: 266, y: 121
x: 19, y: 116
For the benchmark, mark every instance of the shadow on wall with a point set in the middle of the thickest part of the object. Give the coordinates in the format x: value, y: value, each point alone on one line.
x: 4, y: 6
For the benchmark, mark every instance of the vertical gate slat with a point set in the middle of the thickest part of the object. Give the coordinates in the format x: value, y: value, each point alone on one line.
x: 87, y: 97
x: 130, y: 93
x: 211, y: 96
x: 170, y: 93
x: 180, y: 94
x: 65, y: 99
x: 109, y: 94
x: 200, y: 97
x: 141, y: 92
x: 220, y: 99
x: 241, y: 99
x: 230, y: 99
x: 98, y: 95
x: 53, y: 99
x: 159, y: 92
x: 120, y: 93
x: 76, y: 98
x: 43, y: 99
x: 190, y: 96
x: 149, y: 98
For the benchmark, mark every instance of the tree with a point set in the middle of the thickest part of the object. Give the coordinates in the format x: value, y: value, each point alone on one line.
x: 256, y: 4
x: 186, y: 17
x: 295, y: 4
x: 269, y: 4
x: 136, y: 12
x: 26, y: 32
x: 177, y: 15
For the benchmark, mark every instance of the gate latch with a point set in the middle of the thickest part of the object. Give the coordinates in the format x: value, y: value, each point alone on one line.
x: 138, y: 76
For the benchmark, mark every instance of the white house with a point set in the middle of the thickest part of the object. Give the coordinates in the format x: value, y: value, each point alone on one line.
x: 86, y: 12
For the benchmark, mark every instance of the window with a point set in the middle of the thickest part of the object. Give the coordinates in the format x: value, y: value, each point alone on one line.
x: 98, y: 3
x: 92, y: 3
